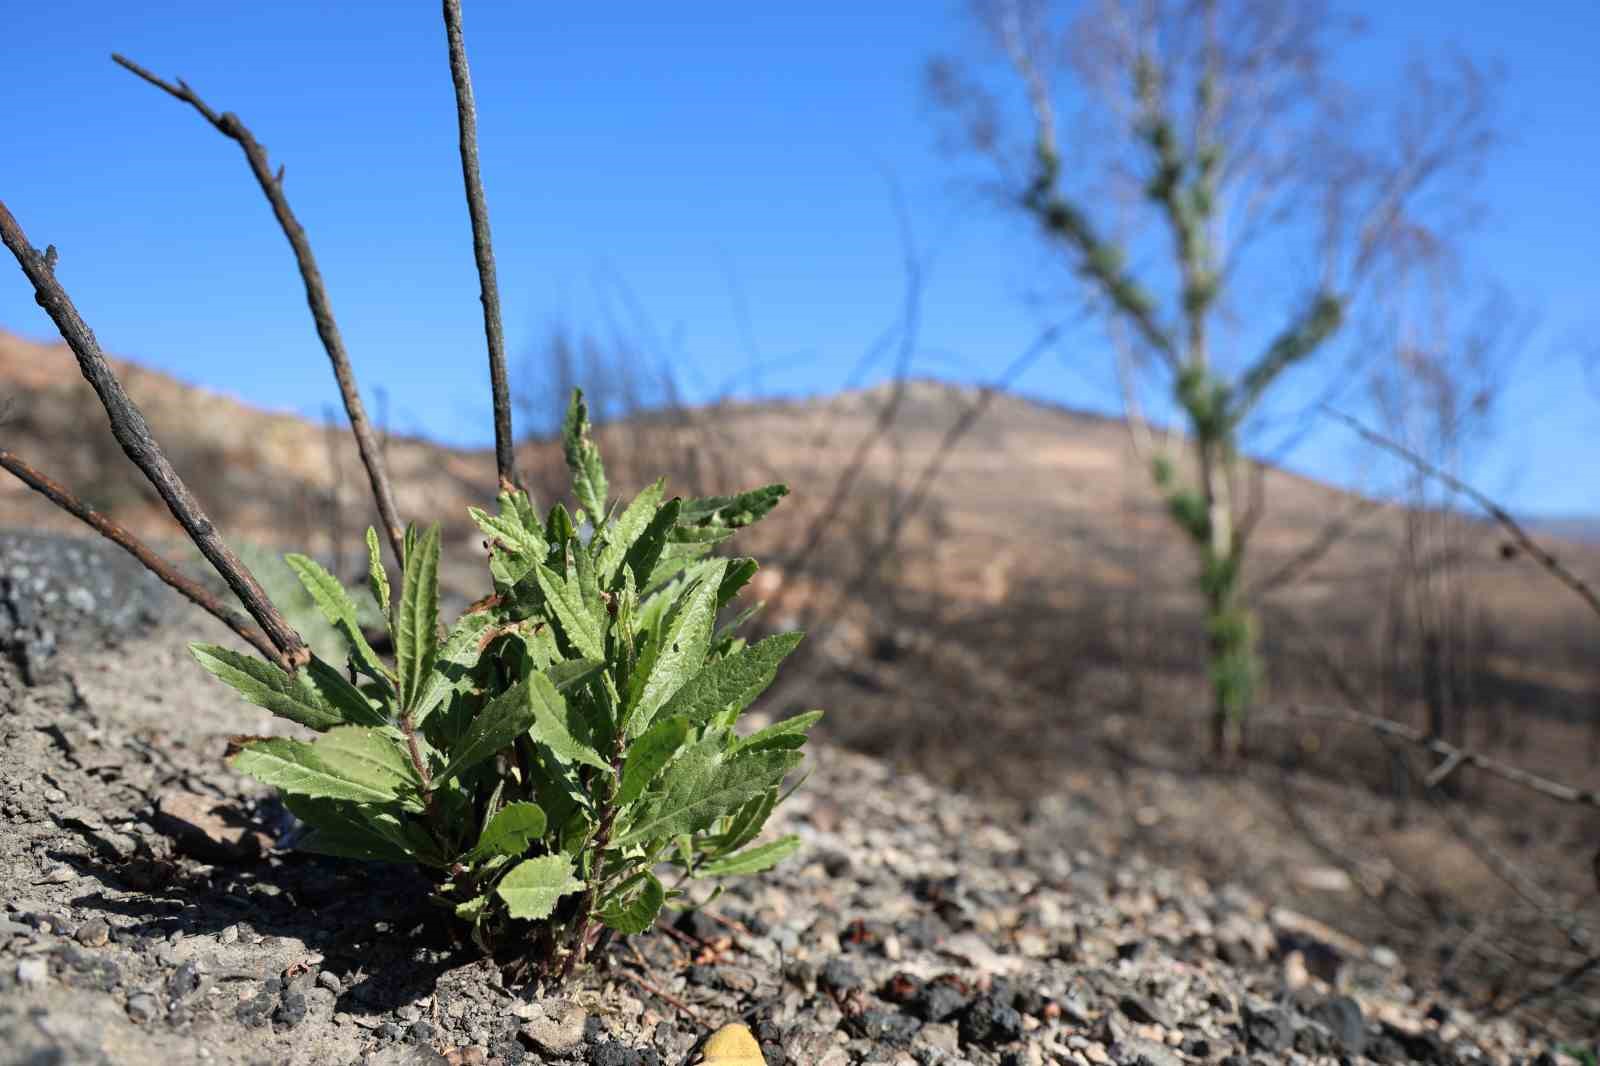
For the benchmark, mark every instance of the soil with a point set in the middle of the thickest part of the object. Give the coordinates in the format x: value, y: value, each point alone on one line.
x: 153, y: 910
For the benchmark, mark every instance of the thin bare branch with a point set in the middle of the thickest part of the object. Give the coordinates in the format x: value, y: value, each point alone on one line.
x: 505, y: 453
x: 128, y: 425
x: 195, y: 592
x: 229, y: 125
x: 1517, y: 776
x: 1520, y: 536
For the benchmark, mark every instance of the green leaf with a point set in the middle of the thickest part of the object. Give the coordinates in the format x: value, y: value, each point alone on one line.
x: 340, y: 611
x: 549, y: 724
x: 349, y: 702
x: 583, y: 458
x: 377, y: 576
x: 416, y: 634
x: 701, y: 787
x: 472, y: 909
x: 751, y: 860
x: 509, y: 832
x: 733, y: 512
x: 500, y: 722
x: 351, y: 831
x: 509, y: 529
x: 627, y: 530
x: 570, y: 672
x: 533, y: 886
x: 452, y: 663
x: 639, y: 912
x: 648, y: 755
x: 745, y: 824
x: 679, y: 653
x: 266, y: 685
x: 368, y: 757
x: 295, y: 767
x: 787, y: 734
x: 731, y: 684
x: 645, y: 552
x: 581, y: 628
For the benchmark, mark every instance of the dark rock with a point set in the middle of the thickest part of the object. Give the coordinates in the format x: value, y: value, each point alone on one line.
x: 940, y: 999
x: 698, y: 925
x: 1030, y: 1000
x: 1341, y: 1016
x: 183, y: 981
x: 292, y: 1011
x: 1424, y: 1047
x: 143, y: 1008
x: 421, y: 1031
x: 989, y: 1022
x: 612, y: 1053
x: 1197, y: 1047
x: 901, y: 989
x: 838, y: 976
x: 1139, y: 1009
x: 1267, y: 1030
x: 256, y: 1011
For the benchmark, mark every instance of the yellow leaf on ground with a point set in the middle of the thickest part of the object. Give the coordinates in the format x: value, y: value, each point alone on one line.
x: 733, y: 1045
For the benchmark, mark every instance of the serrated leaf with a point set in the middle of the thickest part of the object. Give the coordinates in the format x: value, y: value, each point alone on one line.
x: 751, y: 860
x: 266, y: 685
x: 731, y: 684
x: 648, y: 755
x: 368, y: 757
x: 348, y: 701
x: 569, y: 672
x: 580, y: 627
x: 509, y: 832
x: 509, y: 529
x: 295, y: 767
x: 699, y: 790
x: 500, y: 722
x: 533, y: 886
x: 736, y: 577
x: 638, y: 912
x: 340, y: 611
x: 745, y: 824
x: 549, y: 724
x: 416, y: 631
x: 351, y: 831
x: 454, y: 659
x: 583, y: 458
x: 787, y: 734
x: 645, y: 552
x: 472, y: 909
x: 626, y: 531
x: 678, y: 654
x: 734, y: 512
x: 377, y: 576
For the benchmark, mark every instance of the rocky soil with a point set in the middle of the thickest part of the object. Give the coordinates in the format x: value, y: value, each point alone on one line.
x: 149, y: 914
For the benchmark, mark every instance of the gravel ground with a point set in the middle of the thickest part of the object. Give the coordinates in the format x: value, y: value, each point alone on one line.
x: 147, y: 915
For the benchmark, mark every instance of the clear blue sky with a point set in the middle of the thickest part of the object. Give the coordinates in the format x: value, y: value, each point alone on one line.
x: 649, y: 153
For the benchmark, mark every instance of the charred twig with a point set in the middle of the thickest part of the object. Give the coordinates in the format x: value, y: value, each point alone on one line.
x: 229, y: 125
x: 1449, y: 752
x: 195, y: 592
x: 128, y: 425
x: 505, y: 453
x: 1520, y: 536
x: 666, y: 997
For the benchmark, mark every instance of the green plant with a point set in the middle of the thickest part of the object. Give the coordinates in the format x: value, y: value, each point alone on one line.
x: 568, y: 736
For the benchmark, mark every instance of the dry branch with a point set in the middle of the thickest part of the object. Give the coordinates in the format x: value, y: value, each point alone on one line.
x: 196, y: 593
x: 1452, y: 754
x: 229, y: 125
x: 1520, y: 536
x: 505, y: 453
x: 128, y: 425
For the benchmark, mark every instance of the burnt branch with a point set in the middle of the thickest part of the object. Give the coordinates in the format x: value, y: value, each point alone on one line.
x: 1451, y: 754
x: 191, y: 589
x: 128, y: 425
x: 229, y: 125
x: 1518, y: 535
x: 505, y: 454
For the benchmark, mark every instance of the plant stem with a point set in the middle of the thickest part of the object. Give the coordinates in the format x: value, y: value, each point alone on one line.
x: 128, y: 425
x: 196, y: 593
